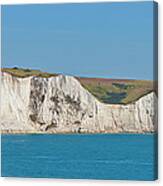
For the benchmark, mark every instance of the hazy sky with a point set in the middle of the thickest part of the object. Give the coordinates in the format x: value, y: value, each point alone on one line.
x: 112, y: 40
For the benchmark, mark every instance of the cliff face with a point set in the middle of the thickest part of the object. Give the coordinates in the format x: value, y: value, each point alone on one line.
x: 60, y: 104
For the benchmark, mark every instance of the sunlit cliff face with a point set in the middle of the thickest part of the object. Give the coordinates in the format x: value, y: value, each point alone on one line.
x: 61, y: 105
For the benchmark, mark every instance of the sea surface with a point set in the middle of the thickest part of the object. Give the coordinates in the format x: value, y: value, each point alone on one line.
x: 80, y: 156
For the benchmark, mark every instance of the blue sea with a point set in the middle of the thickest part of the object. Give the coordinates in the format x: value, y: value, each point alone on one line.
x: 80, y: 156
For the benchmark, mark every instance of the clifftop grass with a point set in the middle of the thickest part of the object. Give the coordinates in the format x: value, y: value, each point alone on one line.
x: 114, y: 91
x: 22, y: 73
x: 111, y: 91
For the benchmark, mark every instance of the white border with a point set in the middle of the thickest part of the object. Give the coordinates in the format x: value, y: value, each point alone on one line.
x: 63, y: 182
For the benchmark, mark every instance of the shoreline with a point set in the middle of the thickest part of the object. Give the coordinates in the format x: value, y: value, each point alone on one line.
x: 72, y: 133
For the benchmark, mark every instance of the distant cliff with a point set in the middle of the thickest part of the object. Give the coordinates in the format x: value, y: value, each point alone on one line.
x: 61, y: 104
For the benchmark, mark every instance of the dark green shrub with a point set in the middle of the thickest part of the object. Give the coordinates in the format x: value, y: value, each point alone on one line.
x: 27, y: 70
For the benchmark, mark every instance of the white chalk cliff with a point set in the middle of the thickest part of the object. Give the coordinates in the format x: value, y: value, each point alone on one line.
x: 60, y: 105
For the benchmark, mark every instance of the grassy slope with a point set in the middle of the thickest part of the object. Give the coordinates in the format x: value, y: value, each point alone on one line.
x: 105, y: 90
x: 20, y: 72
x: 117, y: 91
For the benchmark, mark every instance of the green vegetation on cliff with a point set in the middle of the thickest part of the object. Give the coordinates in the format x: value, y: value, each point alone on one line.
x: 113, y: 91
x: 22, y: 73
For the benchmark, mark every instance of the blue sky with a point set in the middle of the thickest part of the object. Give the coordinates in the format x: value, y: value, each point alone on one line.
x: 111, y: 40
